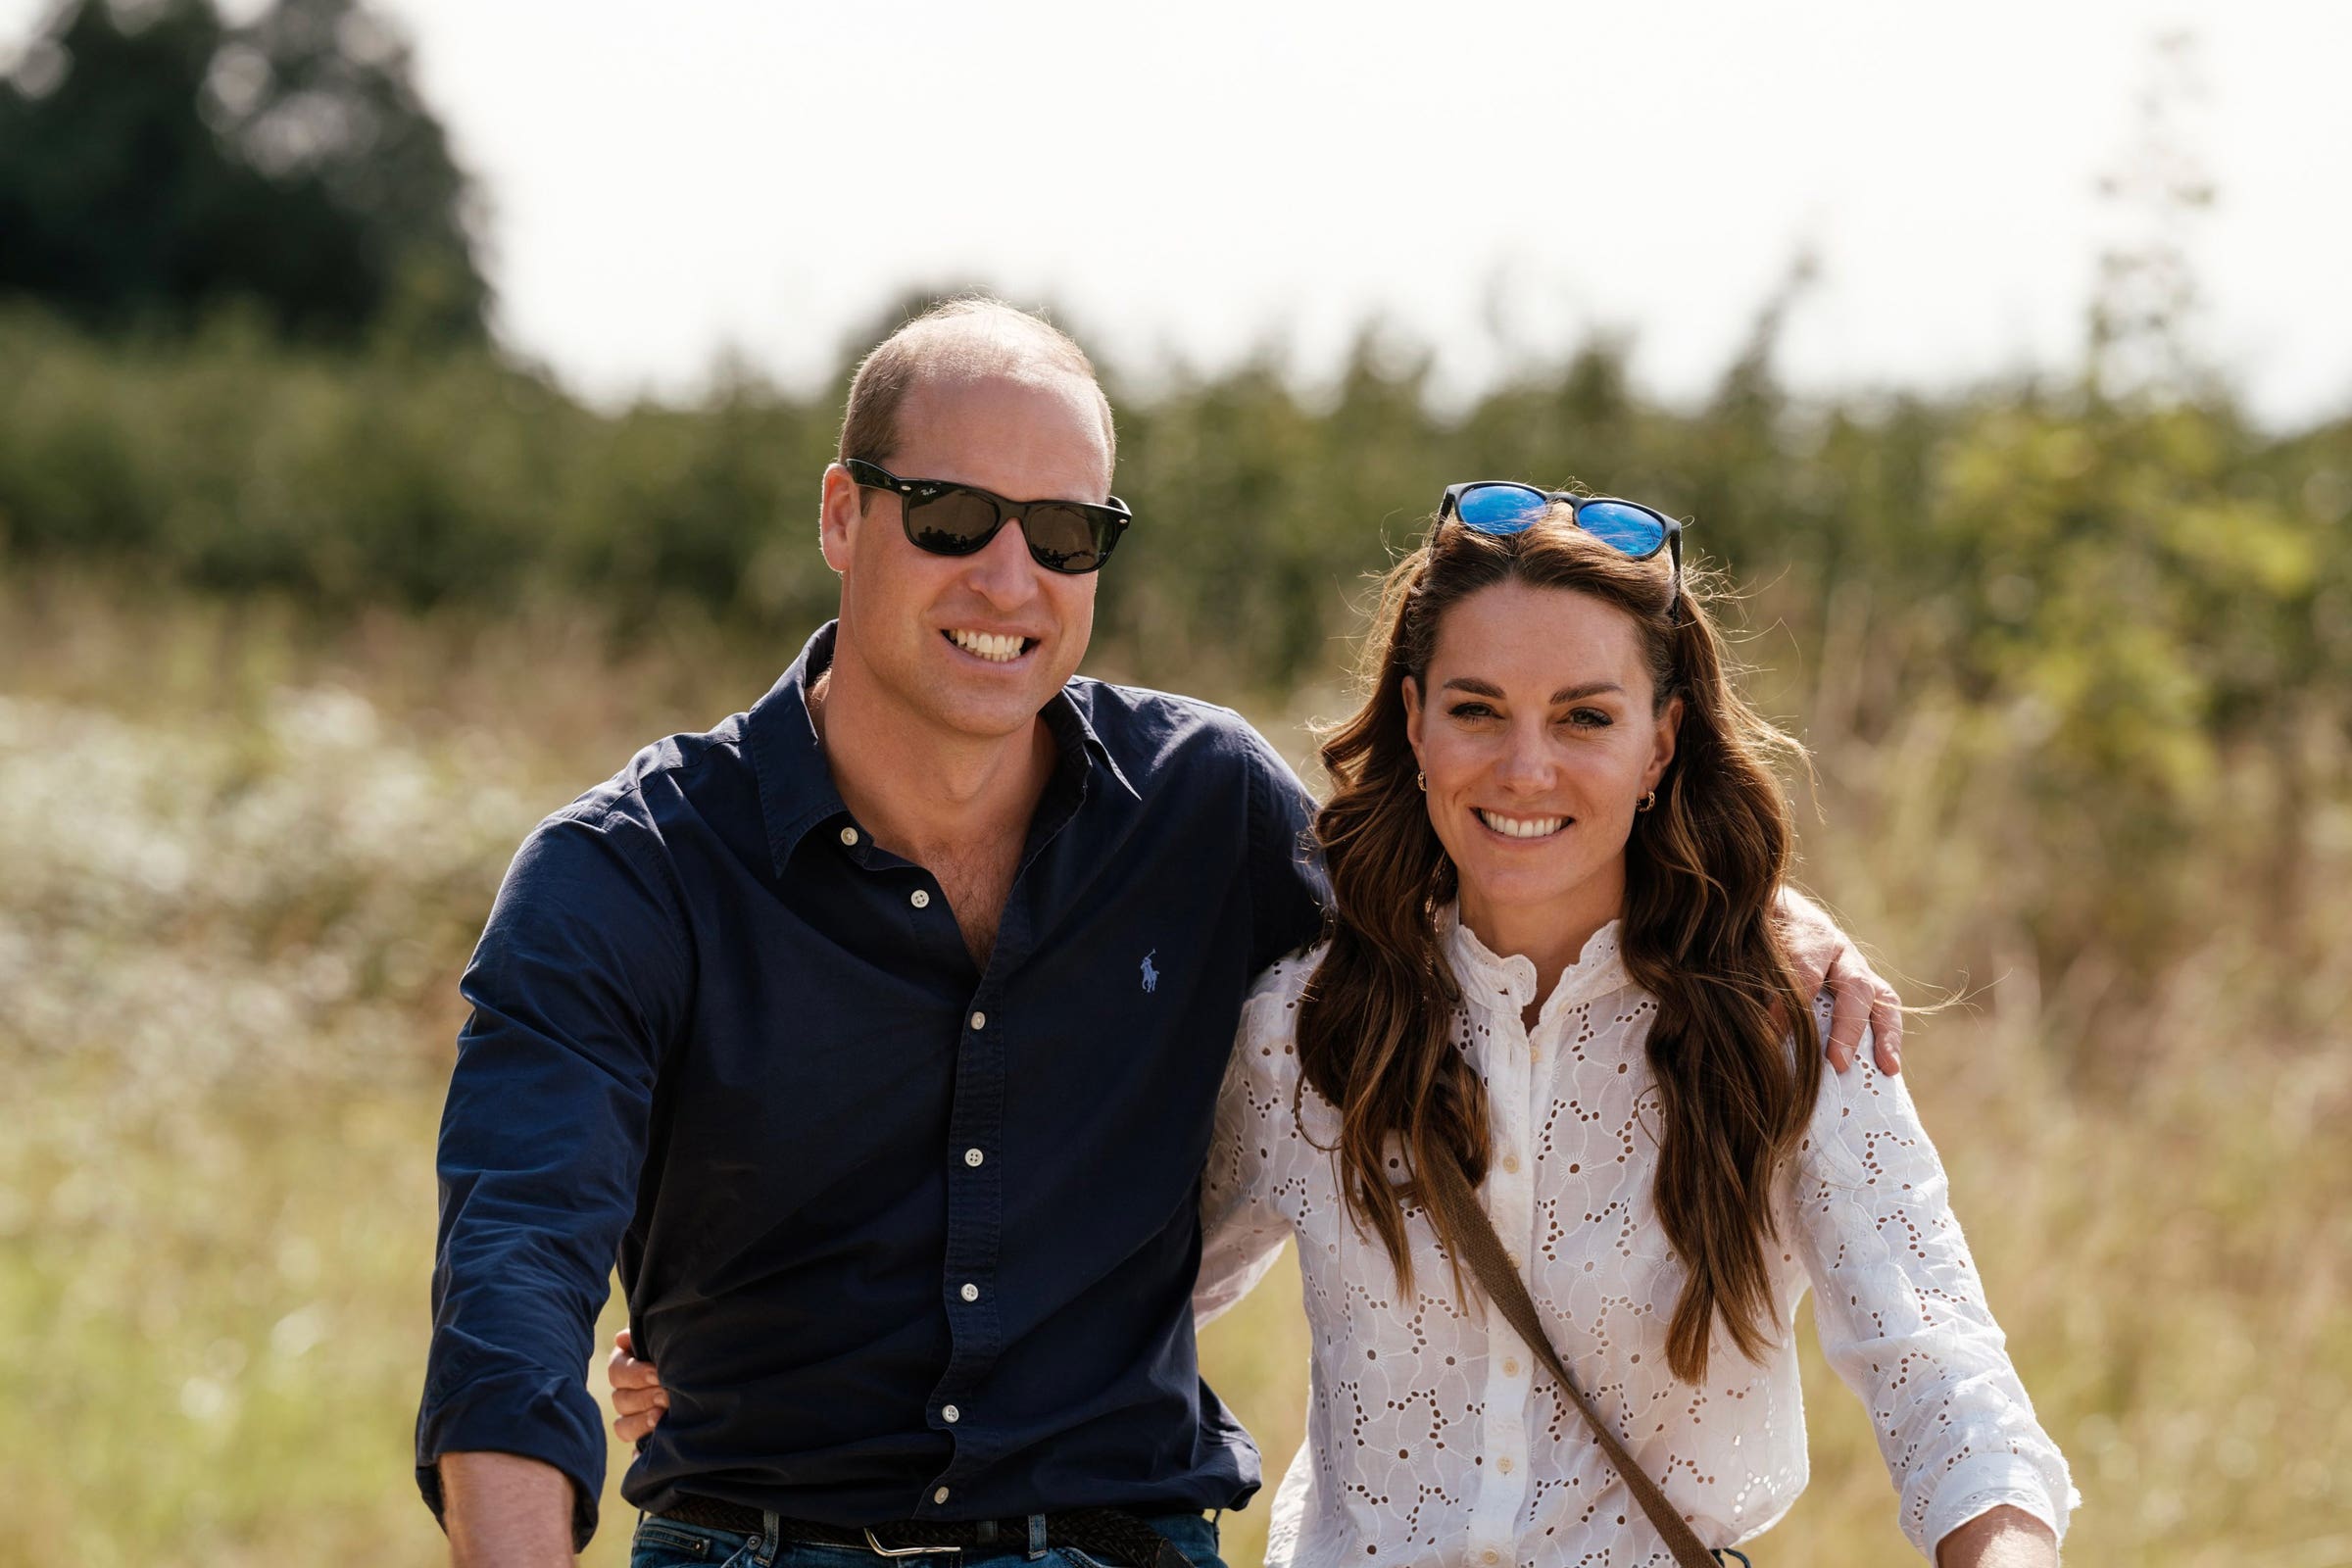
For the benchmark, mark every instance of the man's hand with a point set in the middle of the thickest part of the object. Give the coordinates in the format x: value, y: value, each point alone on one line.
x: 1857, y: 996
x: 638, y: 1397
x: 503, y: 1510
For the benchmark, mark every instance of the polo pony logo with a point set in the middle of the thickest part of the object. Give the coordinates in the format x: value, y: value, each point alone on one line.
x: 1150, y: 975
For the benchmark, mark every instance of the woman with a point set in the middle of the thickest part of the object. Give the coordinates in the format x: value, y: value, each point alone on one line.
x: 1554, y: 850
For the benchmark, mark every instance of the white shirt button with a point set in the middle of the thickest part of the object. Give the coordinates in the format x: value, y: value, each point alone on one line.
x: 1503, y: 1464
x: 973, y: 1157
x: 1510, y: 1366
x: 1535, y: 1055
x: 979, y: 1020
x: 941, y: 1495
x: 949, y: 1414
x: 1517, y: 1262
x: 848, y: 835
x: 922, y: 900
x: 970, y: 1292
x: 1490, y: 1555
x: 1510, y: 1162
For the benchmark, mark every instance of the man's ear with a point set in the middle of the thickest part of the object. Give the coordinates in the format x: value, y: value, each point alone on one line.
x: 841, y: 507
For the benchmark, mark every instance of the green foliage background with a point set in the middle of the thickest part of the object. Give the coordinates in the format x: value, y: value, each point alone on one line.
x: 2115, y: 597
x: 298, y: 644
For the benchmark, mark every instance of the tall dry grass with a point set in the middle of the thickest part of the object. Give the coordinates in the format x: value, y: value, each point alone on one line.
x: 243, y: 859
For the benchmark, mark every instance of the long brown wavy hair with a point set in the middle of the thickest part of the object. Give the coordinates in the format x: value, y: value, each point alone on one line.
x: 1703, y: 872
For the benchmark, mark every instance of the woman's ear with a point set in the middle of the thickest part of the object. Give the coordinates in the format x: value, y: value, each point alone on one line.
x: 1410, y: 689
x: 1670, y: 725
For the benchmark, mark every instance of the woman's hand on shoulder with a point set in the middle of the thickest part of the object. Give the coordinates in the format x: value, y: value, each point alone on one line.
x: 1826, y: 959
x: 638, y: 1397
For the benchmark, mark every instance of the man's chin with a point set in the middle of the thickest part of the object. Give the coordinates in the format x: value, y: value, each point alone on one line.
x: 1001, y: 715
x: 973, y: 696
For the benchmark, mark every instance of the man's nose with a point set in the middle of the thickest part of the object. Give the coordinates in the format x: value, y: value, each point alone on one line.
x: 1004, y: 572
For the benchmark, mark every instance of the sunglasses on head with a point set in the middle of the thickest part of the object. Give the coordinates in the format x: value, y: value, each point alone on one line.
x: 948, y: 518
x: 1503, y: 507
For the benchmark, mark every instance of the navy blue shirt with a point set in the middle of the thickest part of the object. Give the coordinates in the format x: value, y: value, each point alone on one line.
x: 908, y: 1239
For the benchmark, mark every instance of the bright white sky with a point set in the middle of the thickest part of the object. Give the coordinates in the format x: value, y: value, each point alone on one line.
x: 1190, y: 181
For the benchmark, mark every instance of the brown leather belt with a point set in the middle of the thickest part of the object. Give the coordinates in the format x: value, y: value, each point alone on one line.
x: 1109, y: 1534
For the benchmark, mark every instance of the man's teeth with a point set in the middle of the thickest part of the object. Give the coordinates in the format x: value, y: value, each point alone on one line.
x: 1522, y: 827
x: 998, y: 648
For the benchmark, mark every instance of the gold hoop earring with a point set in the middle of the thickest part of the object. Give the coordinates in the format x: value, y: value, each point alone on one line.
x: 1646, y: 802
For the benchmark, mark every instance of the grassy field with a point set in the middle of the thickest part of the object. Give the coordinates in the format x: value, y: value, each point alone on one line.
x: 243, y: 859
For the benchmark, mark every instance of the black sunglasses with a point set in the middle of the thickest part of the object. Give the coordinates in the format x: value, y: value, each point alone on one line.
x: 1505, y: 507
x: 955, y: 519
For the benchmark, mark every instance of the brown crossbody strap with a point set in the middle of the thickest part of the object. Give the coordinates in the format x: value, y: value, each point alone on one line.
x: 1450, y: 1193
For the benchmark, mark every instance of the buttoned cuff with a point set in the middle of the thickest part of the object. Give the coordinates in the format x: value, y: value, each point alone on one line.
x: 1984, y: 1482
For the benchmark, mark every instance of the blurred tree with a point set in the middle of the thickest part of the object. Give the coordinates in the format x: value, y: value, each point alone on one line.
x: 2144, y: 316
x: 156, y: 164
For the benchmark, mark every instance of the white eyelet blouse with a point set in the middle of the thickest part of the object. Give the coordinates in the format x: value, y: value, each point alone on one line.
x: 1435, y: 1438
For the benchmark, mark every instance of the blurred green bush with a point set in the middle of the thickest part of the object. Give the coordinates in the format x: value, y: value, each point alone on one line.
x: 2114, y: 598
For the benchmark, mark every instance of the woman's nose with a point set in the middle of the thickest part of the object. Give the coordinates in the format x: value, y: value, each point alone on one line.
x: 1526, y: 763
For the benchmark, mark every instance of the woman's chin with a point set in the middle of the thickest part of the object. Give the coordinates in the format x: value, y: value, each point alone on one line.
x: 1519, y: 889
x: 1514, y: 891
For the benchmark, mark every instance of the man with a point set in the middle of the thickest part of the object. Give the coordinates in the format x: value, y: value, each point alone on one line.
x: 877, y: 1033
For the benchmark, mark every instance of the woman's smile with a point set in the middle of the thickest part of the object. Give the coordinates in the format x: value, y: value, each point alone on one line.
x: 1521, y: 828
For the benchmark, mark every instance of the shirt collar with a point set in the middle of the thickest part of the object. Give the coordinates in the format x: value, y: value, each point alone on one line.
x: 796, y: 785
x: 1074, y: 732
x: 1493, y: 980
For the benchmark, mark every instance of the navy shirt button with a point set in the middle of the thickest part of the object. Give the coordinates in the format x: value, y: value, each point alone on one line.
x: 949, y: 1414
x: 848, y: 835
x: 941, y: 1495
x: 970, y: 1292
x: 979, y: 1020
x: 973, y: 1157
x: 920, y: 898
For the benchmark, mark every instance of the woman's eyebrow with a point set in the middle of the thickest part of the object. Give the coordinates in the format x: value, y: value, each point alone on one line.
x: 1566, y: 694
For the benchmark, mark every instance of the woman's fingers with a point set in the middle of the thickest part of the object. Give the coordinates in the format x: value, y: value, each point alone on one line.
x: 637, y: 1401
x: 638, y: 1397
x: 623, y: 1370
x: 632, y: 1422
x: 637, y: 1411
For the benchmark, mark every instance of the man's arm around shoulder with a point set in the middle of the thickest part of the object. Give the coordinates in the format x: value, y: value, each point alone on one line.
x: 1286, y: 886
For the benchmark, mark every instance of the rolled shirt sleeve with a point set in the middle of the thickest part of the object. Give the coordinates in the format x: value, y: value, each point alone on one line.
x: 581, y: 976
x: 1903, y: 1318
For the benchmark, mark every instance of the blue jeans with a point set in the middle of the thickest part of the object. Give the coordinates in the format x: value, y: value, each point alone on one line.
x: 667, y: 1543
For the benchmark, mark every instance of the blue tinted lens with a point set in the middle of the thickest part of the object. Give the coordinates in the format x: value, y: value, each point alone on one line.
x: 1631, y: 528
x: 1502, y: 508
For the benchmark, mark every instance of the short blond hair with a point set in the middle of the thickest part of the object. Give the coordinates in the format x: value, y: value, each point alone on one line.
x: 969, y: 337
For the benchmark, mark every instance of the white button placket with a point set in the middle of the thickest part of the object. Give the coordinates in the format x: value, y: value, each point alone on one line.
x: 1509, y: 1187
